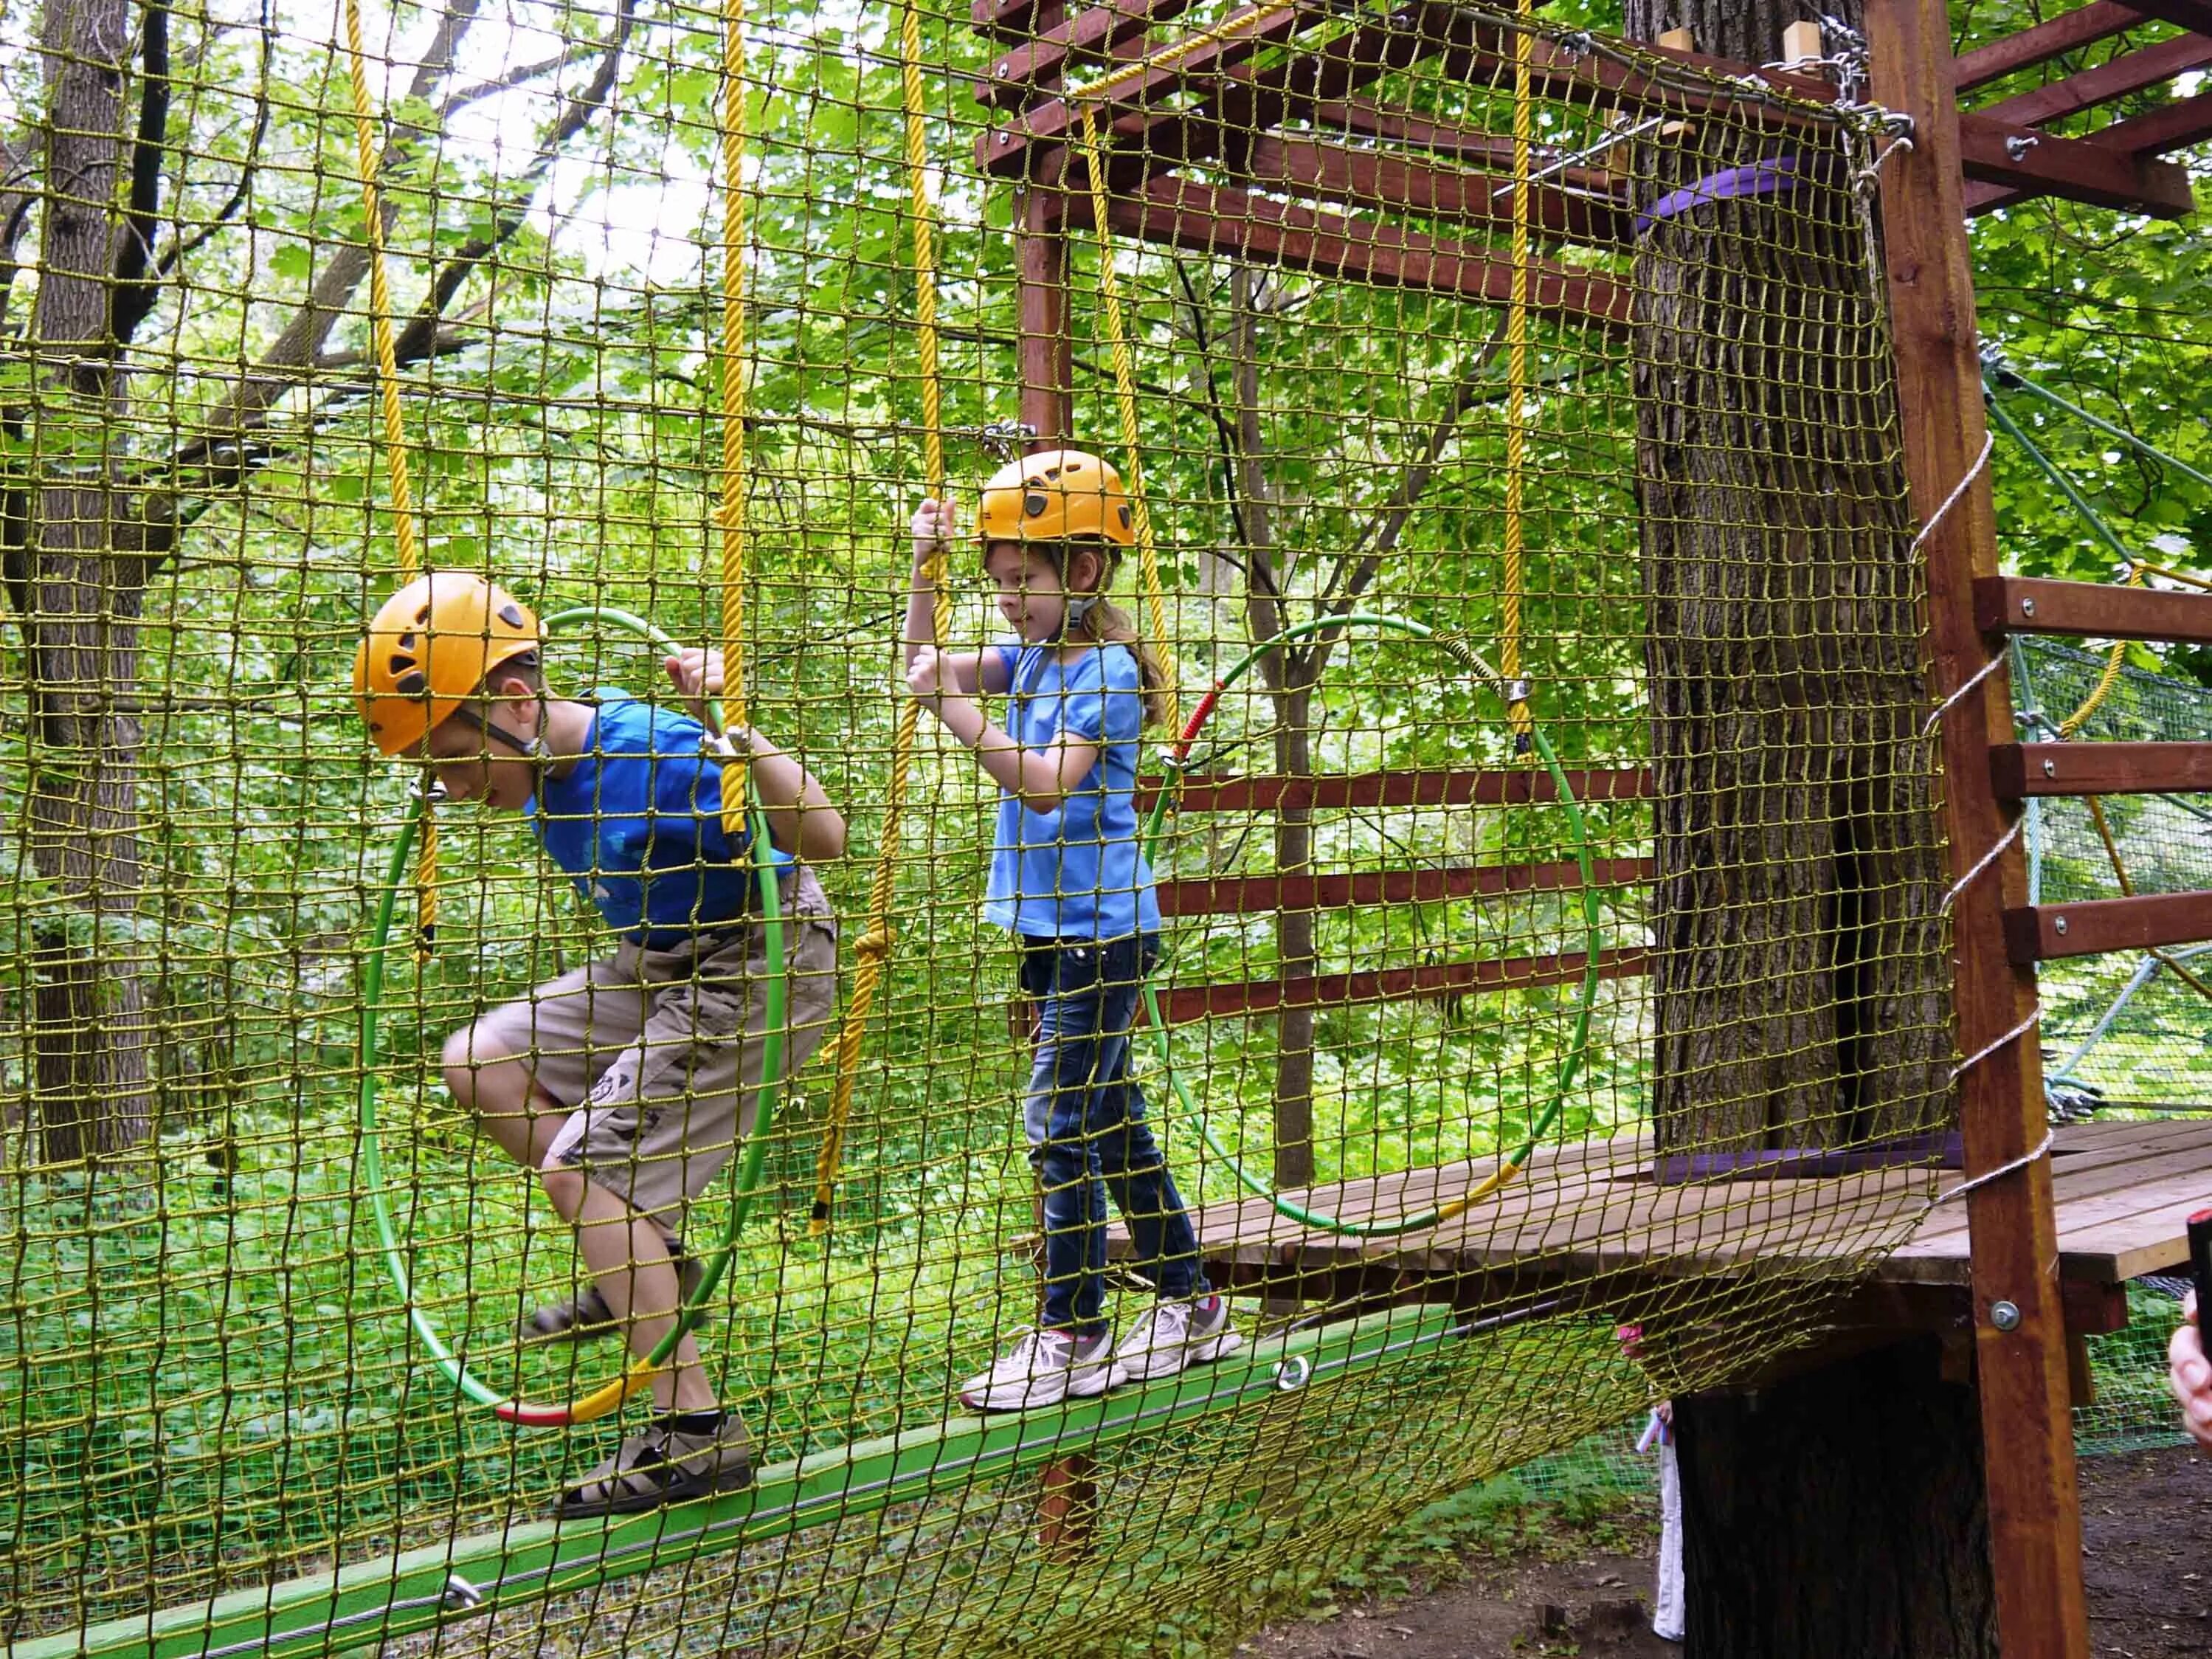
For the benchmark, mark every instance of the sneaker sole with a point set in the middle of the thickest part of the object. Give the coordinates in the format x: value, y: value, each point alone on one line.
x: 1095, y: 1382
x: 1198, y: 1354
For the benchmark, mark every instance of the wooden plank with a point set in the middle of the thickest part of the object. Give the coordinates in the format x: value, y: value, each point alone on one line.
x: 2050, y: 932
x: 1180, y: 1005
x: 1089, y: 37
x: 2096, y: 610
x: 2076, y: 169
x: 1368, y: 178
x: 2019, y: 770
x: 2078, y: 1178
x: 2183, y: 13
x: 1590, y: 81
x: 2150, y: 67
x: 2185, y: 122
x: 2082, y: 26
x: 1230, y: 895
x: 1487, y: 786
x: 1025, y: 20
x: 1214, y: 219
x: 2035, y: 1530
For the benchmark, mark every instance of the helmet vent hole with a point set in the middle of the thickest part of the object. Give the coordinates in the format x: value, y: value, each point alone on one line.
x: 401, y: 662
x: 511, y: 615
x: 412, y: 684
x: 1127, y: 518
x: 1035, y: 506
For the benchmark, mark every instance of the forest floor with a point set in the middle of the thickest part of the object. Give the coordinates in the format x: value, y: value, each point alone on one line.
x: 1581, y: 1584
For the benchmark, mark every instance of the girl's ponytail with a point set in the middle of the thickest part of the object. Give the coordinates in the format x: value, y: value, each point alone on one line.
x: 1107, y: 624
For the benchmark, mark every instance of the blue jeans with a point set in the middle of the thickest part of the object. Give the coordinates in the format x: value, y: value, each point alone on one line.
x: 1087, y: 1133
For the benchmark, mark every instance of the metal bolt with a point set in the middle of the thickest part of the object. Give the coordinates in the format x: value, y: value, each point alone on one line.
x: 2019, y: 144
x: 2005, y: 1315
x: 2027, y: 607
x: 2051, y: 769
x: 1006, y: 68
x: 460, y: 1596
x: 2058, y: 926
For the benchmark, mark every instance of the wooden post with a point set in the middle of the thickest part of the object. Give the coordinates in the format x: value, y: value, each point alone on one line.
x: 2021, y: 1371
x: 1047, y: 354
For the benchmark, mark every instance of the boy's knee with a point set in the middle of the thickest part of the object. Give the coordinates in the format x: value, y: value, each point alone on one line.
x: 564, y: 1188
x: 465, y: 1057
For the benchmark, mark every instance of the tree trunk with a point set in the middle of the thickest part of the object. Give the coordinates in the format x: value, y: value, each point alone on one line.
x: 1294, y: 948
x: 91, y: 1022
x: 1290, y: 688
x: 1800, y: 990
x: 1837, y: 1515
x: 1800, y: 986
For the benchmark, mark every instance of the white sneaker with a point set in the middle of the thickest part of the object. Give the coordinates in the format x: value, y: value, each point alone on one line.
x: 1175, y: 1336
x: 1043, y: 1369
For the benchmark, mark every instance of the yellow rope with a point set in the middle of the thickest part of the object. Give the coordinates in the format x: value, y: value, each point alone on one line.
x: 1517, y: 388
x: 1229, y: 28
x: 1125, y: 399
x: 395, y: 432
x: 731, y: 514
x: 872, y: 951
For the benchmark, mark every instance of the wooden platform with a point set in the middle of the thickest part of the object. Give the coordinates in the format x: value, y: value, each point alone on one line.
x: 1591, y: 1214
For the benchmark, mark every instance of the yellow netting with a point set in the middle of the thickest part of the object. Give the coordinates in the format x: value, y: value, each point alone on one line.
x: 1425, y: 340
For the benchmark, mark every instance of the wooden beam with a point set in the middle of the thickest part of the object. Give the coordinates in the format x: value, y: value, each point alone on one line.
x: 1026, y: 19
x: 2047, y: 933
x: 1270, y: 793
x: 2091, y: 611
x: 1046, y: 356
x: 2122, y: 77
x: 2027, y: 1426
x: 2195, y: 15
x: 2019, y: 770
x: 2038, y: 163
x: 1213, y: 219
x: 1253, y: 998
x: 1231, y: 896
x: 2185, y: 122
x: 1089, y: 37
x: 1367, y: 178
x: 1416, y: 31
x: 2082, y: 26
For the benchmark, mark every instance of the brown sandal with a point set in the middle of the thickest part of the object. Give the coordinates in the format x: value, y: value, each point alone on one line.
x: 664, y: 1465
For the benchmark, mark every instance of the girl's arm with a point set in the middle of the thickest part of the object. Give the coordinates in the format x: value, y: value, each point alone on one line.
x: 800, y: 819
x: 965, y: 672
x: 1041, y: 778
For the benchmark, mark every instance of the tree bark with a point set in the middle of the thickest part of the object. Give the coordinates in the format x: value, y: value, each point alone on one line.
x: 1837, y: 1515
x: 1799, y: 987
x: 1800, y: 983
x: 90, y: 1006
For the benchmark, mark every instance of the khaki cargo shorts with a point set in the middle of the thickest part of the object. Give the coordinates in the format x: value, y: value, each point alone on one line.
x: 659, y: 1053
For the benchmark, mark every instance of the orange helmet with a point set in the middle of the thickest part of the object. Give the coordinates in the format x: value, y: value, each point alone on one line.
x: 1055, y: 496
x: 429, y: 648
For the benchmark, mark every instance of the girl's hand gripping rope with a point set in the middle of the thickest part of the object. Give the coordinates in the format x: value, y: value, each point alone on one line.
x: 698, y: 677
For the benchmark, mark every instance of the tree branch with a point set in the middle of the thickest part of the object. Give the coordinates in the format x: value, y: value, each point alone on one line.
x: 132, y: 296
x: 184, y: 247
x: 1359, y: 567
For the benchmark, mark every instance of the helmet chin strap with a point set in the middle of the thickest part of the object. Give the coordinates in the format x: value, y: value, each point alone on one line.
x: 531, y: 749
x: 1079, y: 606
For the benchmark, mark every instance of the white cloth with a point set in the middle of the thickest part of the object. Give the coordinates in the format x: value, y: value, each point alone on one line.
x: 1667, y: 1604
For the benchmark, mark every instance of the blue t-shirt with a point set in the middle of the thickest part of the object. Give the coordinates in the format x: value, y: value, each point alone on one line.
x: 638, y: 822
x: 1075, y: 871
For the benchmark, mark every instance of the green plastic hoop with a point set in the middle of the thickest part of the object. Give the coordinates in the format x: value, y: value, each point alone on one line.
x: 1570, y: 1065
x: 610, y: 1397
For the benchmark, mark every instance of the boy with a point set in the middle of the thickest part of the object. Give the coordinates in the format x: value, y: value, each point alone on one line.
x: 626, y: 1084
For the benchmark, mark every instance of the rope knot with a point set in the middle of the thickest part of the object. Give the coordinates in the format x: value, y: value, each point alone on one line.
x: 874, y: 945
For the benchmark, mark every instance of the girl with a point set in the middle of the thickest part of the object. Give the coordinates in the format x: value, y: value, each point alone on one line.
x: 1069, y: 881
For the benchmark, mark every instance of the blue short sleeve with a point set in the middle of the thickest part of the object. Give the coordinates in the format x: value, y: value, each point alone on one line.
x: 1104, y: 699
